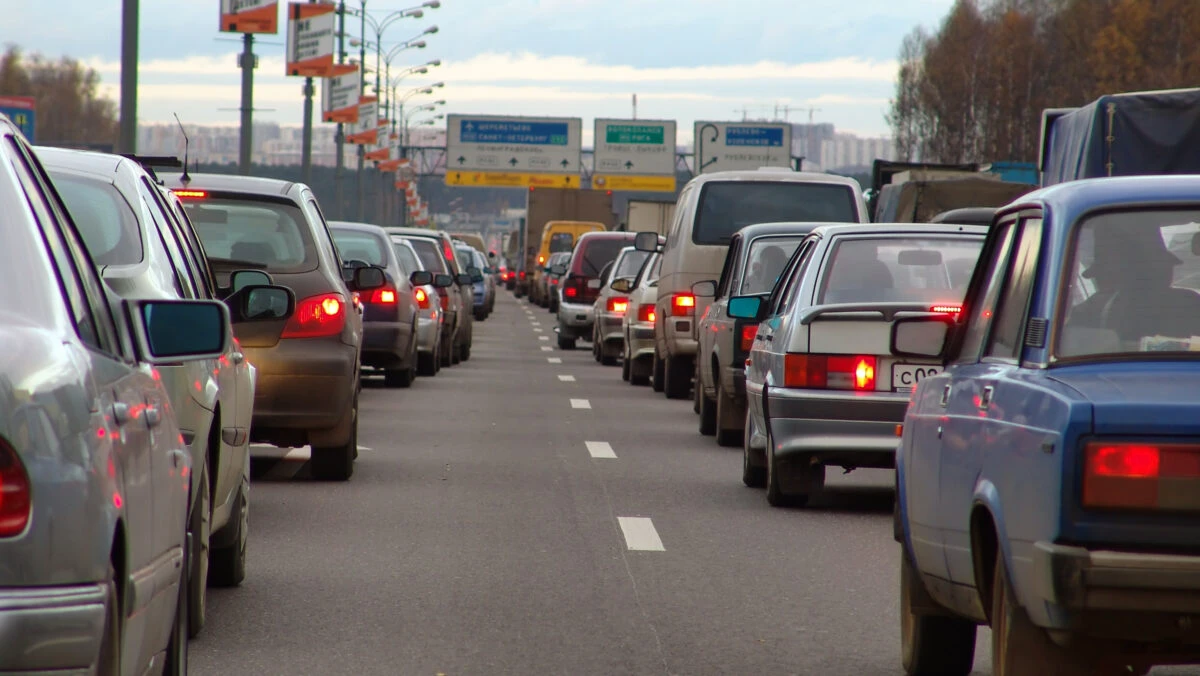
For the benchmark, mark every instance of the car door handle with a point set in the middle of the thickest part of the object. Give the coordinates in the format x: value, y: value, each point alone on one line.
x: 237, y: 358
x: 945, y: 396
x: 153, y: 416
x: 985, y: 399
x: 121, y: 414
x: 769, y: 338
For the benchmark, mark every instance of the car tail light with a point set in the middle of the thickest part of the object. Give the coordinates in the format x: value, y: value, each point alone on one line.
x: 646, y: 312
x: 748, y: 333
x: 541, y: 260
x: 618, y: 304
x: 522, y: 274
x: 553, y: 281
x: 422, y: 298
x: 317, y: 316
x: 383, y: 296
x: 445, y: 302
x: 829, y: 372
x: 191, y: 194
x: 1139, y: 475
x: 948, y: 309
x: 14, y: 493
x: 683, y: 305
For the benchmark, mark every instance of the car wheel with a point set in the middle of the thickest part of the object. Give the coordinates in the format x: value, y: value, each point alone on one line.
x: 708, y: 413
x: 200, y: 528
x: 466, y: 351
x: 177, y: 648
x: 480, y: 315
x: 625, y: 369
x: 812, y: 477
x: 455, y: 354
x: 726, y: 436
x: 752, y: 475
x: 565, y: 343
x: 427, y: 364
x: 108, y: 663
x: 677, y: 381
x: 336, y: 463
x: 931, y: 644
x: 227, y: 564
x: 658, y: 374
x: 596, y: 353
x: 444, y: 351
x: 398, y: 377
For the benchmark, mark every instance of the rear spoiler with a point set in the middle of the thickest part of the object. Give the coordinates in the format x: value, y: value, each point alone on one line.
x: 149, y: 162
x: 858, y: 311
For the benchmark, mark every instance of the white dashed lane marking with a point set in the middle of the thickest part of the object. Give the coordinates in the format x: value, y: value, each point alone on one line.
x: 600, y: 449
x: 543, y: 337
x: 567, y: 379
x: 547, y: 348
x: 580, y: 403
x: 554, y: 360
x: 640, y: 534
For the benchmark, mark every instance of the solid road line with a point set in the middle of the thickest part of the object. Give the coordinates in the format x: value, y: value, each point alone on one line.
x: 640, y: 534
x: 600, y: 449
x: 580, y: 403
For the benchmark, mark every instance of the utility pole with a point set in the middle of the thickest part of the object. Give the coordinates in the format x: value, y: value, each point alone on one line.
x: 127, y: 143
x: 362, y: 64
x: 340, y: 135
x: 247, y: 62
x: 635, y: 106
x: 307, y: 132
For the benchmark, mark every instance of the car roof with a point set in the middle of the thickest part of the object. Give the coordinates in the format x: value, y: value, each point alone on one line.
x: 87, y: 161
x: 760, y: 229
x: 777, y: 174
x: 358, y: 227
x: 252, y: 185
x: 966, y: 215
x: 1072, y: 199
x: 605, y: 234
x: 828, y: 231
x: 415, y: 232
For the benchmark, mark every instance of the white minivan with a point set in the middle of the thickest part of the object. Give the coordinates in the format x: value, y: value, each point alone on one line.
x: 710, y: 209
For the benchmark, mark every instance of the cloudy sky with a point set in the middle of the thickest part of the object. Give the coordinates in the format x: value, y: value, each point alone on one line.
x: 685, y: 59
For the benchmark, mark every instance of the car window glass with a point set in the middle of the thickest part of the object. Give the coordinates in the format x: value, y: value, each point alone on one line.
x: 464, y: 259
x: 408, y: 260
x: 1006, y: 337
x: 318, y: 217
x: 913, y: 269
x: 561, y: 241
x: 185, y: 239
x: 728, y: 206
x: 728, y: 280
x: 354, y: 245
x: 765, y: 261
x: 780, y: 294
x: 681, y: 216
x: 431, y: 258
x: 979, y: 319
x: 593, y: 254
x: 255, y: 234
x: 1133, y: 284
x: 105, y: 220
x: 168, y: 257
x: 629, y: 264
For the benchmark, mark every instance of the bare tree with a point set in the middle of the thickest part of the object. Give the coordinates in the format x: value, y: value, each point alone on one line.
x: 69, y: 106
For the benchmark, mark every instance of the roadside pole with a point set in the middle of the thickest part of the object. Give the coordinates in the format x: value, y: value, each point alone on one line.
x: 248, y: 61
x: 129, y: 76
x: 340, y: 135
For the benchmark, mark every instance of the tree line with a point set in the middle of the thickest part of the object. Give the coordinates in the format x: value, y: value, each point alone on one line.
x: 974, y: 90
x: 70, y: 108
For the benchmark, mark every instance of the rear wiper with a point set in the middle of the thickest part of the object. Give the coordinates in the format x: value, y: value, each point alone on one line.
x: 236, y: 262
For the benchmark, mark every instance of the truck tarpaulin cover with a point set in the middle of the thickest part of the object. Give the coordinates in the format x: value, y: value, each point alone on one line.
x: 1151, y: 133
x: 920, y: 201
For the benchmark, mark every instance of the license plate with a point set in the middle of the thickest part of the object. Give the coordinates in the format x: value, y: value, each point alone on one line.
x: 906, y: 376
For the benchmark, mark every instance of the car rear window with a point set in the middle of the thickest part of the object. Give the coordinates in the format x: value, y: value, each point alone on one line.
x: 899, y: 269
x: 728, y: 206
x: 107, y: 223
x: 408, y: 261
x: 430, y: 256
x: 767, y: 258
x: 464, y: 259
x: 251, y: 232
x: 593, y: 254
x: 561, y: 241
x: 358, y: 246
x: 630, y: 263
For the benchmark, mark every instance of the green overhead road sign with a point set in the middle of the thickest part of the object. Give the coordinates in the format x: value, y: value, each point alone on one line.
x: 642, y: 134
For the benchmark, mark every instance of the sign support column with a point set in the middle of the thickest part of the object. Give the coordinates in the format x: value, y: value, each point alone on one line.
x: 129, y: 76
x: 245, y: 135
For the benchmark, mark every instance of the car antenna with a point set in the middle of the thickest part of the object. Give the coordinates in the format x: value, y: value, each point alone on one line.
x: 185, y: 178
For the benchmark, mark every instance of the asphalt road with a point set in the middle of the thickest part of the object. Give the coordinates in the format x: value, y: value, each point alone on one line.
x: 479, y: 535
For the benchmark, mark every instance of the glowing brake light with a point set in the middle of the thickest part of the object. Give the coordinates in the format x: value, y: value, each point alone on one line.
x: 191, y: 194
x: 948, y: 309
x: 383, y: 297
x: 618, y: 304
x: 445, y: 302
x: 683, y: 305
x: 541, y: 260
x: 422, y: 299
x: 646, y: 313
x: 748, y: 333
x: 829, y: 372
x: 316, y: 317
x: 570, y: 291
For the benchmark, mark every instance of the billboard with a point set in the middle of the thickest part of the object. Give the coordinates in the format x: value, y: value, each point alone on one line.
x: 364, y: 131
x: 250, y: 16
x: 339, y: 97
x: 22, y: 111
x: 312, y: 27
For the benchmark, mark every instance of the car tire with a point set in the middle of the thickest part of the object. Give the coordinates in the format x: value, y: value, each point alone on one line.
x: 427, y: 364
x: 444, y: 348
x: 726, y: 436
x: 596, y: 354
x: 336, y: 463
x: 565, y: 343
x: 404, y: 377
x: 708, y: 413
x: 108, y: 662
x: 657, y: 374
x: 465, y: 353
x: 200, y: 528
x: 227, y: 564
x: 177, y: 648
x: 625, y: 369
x: 480, y: 315
x: 812, y: 475
x: 752, y: 475
x: 930, y: 644
x: 456, y: 354
x: 677, y: 379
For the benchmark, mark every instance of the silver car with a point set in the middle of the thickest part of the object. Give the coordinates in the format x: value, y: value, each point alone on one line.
x: 147, y: 250
x: 94, y: 521
x: 430, y: 318
x: 608, y: 338
x: 822, y: 385
x: 637, y: 325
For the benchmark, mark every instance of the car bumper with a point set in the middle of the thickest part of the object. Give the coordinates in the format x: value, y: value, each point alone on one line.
x: 428, y: 329
x: 610, y: 328
x: 51, y: 629
x: 853, y: 430
x: 641, y: 341
x: 385, y: 344
x: 733, y: 382
x: 304, y: 384
x: 576, y: 319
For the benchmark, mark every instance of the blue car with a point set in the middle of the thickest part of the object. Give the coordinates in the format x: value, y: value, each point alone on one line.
x: 1048, y: 479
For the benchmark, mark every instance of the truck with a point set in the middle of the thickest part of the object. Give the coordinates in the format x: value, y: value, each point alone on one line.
x: 1128, y: 134
x: 649, y: 216
x: 543, y: 205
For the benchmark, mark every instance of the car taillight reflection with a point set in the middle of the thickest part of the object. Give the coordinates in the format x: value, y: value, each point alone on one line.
x: 316, y: 317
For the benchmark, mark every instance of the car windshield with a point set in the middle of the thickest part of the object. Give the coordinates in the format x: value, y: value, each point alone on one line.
x: 728, y: 206
x: 431, y: 258
x: 561, y: 241
x: 592, y: 255
x: 629, y: 264
x: 912, y: 269
x: 354, y: 245
x: 765, y: 261
x: 105, y: 220
x: 408, y: 260
x: 1133, y: 287
x: 249, y: 232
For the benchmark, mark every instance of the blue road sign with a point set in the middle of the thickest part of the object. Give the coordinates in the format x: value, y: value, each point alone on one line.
x: 512, y: 132
x: 753, y: 136
x: 20, y: 109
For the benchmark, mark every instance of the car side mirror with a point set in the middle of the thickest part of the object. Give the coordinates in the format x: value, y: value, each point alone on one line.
x: 705, y: 289
x: 747, y: 307
x: 443, y: 281
x: 476, y: 275
x: 646, y: 241
x: 421, y: 278
x: 623, y: 285
x: 368, y: 278
x: 463, y: 279
x: 261, y: 303
x: 241, y: 279
x: 923, y: 336
x: 559, y: 269
x: 171, y: 331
